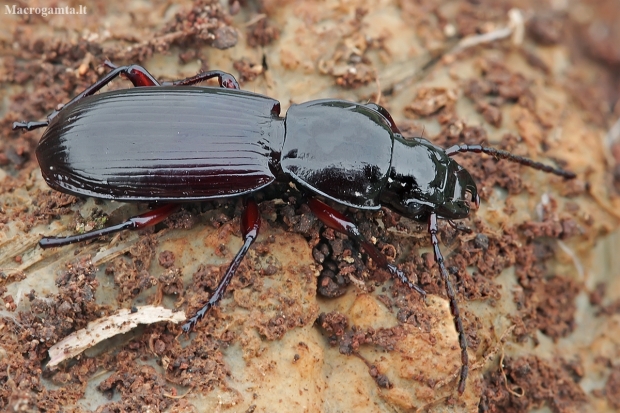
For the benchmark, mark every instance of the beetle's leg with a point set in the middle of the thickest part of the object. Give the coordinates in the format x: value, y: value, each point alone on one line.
x: 454, y: 308
x: 226, y: 80
x: 147, y: 219
x: 30, y: 125
x: 138, y: 75
x: 339, y: 222
x: 250, y: 224
x: 498, y: 153
x: 383, y: 111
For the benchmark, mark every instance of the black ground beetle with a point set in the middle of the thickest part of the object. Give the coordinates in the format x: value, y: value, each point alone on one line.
x: 174, y: 143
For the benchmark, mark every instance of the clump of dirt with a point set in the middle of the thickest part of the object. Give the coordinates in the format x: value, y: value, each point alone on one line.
x: 429, y: 101
x: 54, y: 317
x: 612, y: 388
x: 199, y: 365
x: 349, y: 341
x: 248, y: 70
x: 131, y: 276
x: 530, y: 383
x: 139, y: 389
x: 498, y: 85
x: 262, y: 33
x: 350, y: 64
x: 548, y: 305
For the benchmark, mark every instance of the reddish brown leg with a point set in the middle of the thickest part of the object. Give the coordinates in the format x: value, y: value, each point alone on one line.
x: 147, y: 219
x: 341, y: 223
x: 138, y: 75
x: 454, y: 308
x: 250, y: 224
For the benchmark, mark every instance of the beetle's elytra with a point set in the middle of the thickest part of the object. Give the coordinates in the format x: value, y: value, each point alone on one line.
x: 172, y: 143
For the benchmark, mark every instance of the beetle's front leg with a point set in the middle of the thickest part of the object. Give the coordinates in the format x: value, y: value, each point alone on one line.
x: 454, y: 308
x: 339, y: 222
x: 147, y: 219
x: 250, y: 224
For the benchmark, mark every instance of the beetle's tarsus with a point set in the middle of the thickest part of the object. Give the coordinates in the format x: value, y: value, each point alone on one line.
x: 29, y: 125
x: 226, y: 80
x: 109, y: 64
x: 396, y: 273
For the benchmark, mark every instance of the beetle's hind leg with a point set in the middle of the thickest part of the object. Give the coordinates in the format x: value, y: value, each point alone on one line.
x: 454, y: 308
x: 138, y: 75
x: 339, y: 222
x: 250, y: 224
x: 226, y: 80
x: 147, y: 219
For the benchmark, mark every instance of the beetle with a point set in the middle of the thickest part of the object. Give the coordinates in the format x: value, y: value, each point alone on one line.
x: 170, y: 143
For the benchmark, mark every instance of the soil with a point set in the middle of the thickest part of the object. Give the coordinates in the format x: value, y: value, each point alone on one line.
x: 310, y: 323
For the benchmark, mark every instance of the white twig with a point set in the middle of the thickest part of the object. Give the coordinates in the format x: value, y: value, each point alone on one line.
x: 107, y: 327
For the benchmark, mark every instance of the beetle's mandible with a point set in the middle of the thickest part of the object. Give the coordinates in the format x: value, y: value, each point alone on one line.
x: 171, y: 143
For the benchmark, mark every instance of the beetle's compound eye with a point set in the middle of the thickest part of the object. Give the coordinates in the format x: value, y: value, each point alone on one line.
x: 414, y: 208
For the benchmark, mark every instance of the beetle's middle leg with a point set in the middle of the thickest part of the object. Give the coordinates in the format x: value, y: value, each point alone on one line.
x: 339, y: 222
x: 250, y: 224
x: 147, y: 219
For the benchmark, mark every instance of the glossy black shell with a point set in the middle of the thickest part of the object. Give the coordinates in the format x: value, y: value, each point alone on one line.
x: 338, y: 149
x: 163, y: 143
x: 180, y: 143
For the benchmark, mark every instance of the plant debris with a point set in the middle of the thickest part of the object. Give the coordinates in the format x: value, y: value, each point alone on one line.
x: 102, y: 329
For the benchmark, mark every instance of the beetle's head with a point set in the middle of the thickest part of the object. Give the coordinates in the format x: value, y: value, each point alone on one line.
x: 460, y: 192
x: 423, y: 179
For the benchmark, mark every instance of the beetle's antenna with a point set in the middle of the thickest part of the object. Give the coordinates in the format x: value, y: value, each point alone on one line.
x: 498, y: 153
